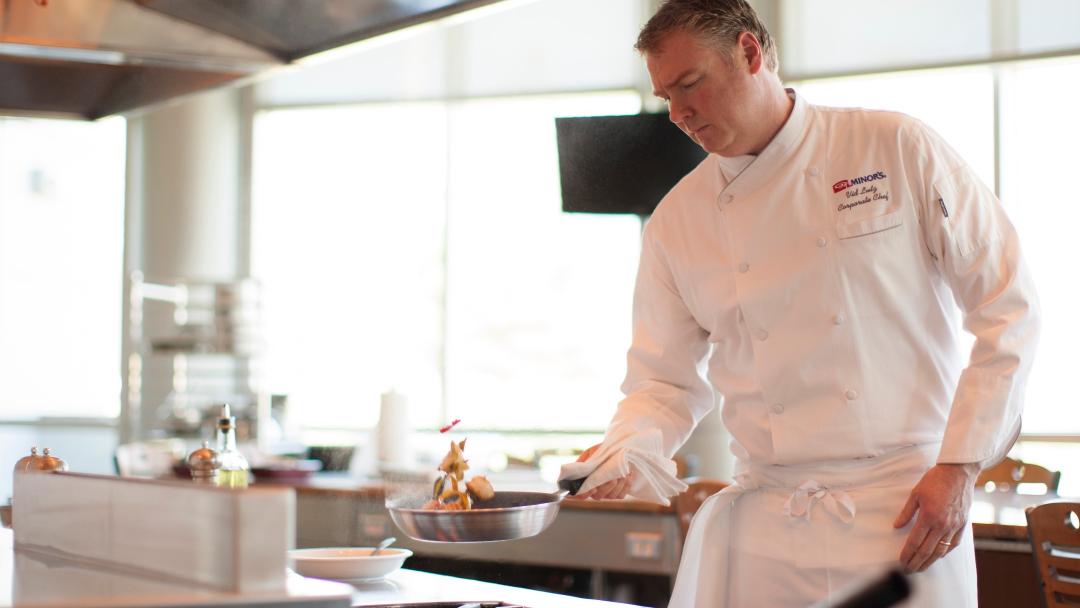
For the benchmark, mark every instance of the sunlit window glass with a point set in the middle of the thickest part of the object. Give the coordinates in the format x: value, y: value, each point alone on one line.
x: 830, y: 36
x: 539, y: 300
x: 1039, y: 157
x: 348, y: 222
x: 61, y: 252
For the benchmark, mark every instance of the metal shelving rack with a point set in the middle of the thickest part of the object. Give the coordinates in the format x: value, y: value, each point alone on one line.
x: 193, y: 345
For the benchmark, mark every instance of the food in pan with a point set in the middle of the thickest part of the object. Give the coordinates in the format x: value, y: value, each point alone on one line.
x: 449, y: 492
x: 480, y: 487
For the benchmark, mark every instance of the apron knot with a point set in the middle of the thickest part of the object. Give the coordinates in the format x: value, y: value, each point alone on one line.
x: 837, y: 502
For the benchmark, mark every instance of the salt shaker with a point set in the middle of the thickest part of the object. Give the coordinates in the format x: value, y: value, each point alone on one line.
x: 205, y: 463
x: 45, y: 463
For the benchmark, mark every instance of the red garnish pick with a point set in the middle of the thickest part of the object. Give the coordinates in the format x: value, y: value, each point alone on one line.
x: 449, y: 426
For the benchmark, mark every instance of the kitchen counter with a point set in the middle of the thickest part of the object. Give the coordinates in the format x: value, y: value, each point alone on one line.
x: 337, y: 485
x: 413, y: 586
x: 29, y: 579
x: 995, y: 516
x: 625, y: 536
x: 635, y: 538
x: 631, y: 553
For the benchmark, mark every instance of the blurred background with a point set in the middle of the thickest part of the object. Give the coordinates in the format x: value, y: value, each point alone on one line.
x: 374, y: 231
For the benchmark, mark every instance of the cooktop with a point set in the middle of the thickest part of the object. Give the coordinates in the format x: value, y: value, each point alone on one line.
x: 488, y: 604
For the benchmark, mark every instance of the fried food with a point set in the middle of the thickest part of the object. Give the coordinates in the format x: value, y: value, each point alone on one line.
x: 480, y: 487
x: 454, y: 462
x: 447, y: 493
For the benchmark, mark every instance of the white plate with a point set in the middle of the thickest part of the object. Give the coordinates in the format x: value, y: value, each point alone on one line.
x: 347, y: 563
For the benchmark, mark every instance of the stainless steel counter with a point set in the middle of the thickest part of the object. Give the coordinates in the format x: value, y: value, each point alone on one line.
x: 611, y: 540
x: 412, y: 586
x: 33, y: 580
x: 29, y: 579
x: 619, y: 537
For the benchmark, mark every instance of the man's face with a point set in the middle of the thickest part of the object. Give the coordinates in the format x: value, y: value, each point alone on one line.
x: 709, y: 97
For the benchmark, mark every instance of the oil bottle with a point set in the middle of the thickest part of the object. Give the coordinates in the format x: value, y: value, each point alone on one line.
x: 234, y: 470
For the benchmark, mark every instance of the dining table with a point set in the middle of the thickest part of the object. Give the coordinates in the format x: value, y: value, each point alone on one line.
x: 1006, y: 568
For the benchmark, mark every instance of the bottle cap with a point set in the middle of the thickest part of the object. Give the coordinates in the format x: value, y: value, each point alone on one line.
x: 226, y: 421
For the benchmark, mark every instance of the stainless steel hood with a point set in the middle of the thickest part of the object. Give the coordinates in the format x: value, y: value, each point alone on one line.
x: 95, y: 58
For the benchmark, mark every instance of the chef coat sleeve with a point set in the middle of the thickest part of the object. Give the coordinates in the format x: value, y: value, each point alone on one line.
x: 976, y: 248
x: 665, y: 386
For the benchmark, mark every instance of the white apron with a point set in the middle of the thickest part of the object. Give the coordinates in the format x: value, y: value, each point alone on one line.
x: 799, y: 535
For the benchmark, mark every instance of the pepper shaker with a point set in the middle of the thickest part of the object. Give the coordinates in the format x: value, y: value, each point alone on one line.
x: 205, y: 463
x: 45, y: 463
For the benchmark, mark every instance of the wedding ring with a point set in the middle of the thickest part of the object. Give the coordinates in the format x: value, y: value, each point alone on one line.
x: 944, y: 543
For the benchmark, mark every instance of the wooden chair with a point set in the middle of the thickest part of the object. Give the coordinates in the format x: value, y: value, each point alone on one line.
x: 1009, y: 473
x: 687, y: 503
x: 1054, y: 530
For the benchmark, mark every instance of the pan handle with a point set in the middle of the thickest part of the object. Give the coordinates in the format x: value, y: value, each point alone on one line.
x: 571, y: 486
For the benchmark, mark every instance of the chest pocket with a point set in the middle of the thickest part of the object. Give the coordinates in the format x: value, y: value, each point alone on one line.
x: 866, y: 208
x: 869, y: 225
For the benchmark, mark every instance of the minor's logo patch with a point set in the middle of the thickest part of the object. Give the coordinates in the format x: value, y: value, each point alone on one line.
x: 844, y: 184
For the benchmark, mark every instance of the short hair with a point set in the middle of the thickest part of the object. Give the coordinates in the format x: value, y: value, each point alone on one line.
x: 717, y: 22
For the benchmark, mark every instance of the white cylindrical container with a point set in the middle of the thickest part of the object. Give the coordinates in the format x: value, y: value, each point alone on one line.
x: 393, y: 432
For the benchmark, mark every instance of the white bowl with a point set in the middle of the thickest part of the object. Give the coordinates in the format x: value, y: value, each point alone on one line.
x: 347, y: 563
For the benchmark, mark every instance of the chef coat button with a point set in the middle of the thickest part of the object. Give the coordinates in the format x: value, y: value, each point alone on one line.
x: 762, y: 335
x: 813, y: 172
x: 730, y: 197
x: 838, y: 320
x: 821, y: 242
x: 744, y: 267
x: 778, y: 408
x: 851, y: 395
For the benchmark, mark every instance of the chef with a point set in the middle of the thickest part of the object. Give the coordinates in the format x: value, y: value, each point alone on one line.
x: 817, y: 270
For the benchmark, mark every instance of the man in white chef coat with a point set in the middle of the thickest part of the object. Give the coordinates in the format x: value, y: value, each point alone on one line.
x: 817, y: 270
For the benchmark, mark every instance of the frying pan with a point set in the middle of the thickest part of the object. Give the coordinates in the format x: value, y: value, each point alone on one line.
x: 506, y: 516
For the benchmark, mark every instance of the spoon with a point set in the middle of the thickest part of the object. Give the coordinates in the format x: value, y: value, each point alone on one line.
x: 386, y: 542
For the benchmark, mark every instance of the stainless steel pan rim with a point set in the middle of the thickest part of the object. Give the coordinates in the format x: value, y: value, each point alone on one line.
x: 507, y: 516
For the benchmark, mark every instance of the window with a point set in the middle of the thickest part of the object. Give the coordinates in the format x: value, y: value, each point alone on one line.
x: 347, y: 228
x: 539, y: 301
x: 860, y: 36
x: 831, y: 36
x: 1039, y: 155
x: 443, y: 265
x: 61, y: 265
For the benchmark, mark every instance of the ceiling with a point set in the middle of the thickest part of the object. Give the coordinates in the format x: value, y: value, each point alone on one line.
x: 94, y: 58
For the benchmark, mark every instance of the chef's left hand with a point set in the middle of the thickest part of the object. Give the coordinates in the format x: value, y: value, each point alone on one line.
x: 942, y: 499
x: 615, y: 489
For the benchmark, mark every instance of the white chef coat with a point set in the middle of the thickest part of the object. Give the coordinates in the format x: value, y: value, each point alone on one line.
x: 821, y: 291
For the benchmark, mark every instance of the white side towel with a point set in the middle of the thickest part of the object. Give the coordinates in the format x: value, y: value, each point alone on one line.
x: 654, y: 477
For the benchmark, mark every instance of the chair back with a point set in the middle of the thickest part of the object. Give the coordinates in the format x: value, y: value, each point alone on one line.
x: 687, y: 503
x: 1054, y: 530
x: 1009, y: 473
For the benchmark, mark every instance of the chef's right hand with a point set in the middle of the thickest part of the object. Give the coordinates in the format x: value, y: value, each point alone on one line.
x: 614, y: 489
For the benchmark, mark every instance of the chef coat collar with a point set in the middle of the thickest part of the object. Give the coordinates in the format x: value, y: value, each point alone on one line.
x: 731, y: 166
x: 763, y: 168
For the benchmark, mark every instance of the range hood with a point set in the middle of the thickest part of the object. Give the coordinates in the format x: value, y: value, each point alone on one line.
x: 95, y: 58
